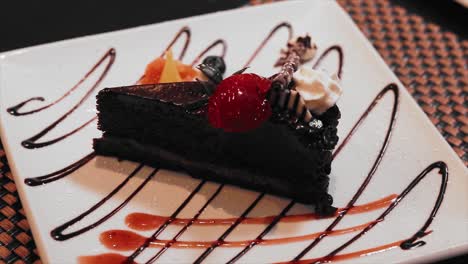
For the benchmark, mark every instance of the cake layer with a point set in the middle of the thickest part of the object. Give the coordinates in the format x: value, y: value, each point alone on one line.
x: 308, y: 192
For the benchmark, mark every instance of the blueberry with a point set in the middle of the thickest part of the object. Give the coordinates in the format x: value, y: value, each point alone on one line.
x: 215, y: 62
x: 213, y: 67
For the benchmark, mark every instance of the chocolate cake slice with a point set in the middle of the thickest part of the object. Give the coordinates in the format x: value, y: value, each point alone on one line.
x: 165, y: 125
x: 287, y: 151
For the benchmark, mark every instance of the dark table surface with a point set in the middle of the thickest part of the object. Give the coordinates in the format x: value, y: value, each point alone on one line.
x: 36, y: 22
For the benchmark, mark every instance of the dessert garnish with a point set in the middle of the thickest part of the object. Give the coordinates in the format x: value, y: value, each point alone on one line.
x: 167, y: 69
x: 302, y: 46
x: 283, y: 96
x: 318, y: 90
x: 239, y: 103
x: 213, y: 68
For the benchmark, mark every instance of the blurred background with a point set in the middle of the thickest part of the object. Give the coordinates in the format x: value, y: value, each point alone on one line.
x: 24, y: 24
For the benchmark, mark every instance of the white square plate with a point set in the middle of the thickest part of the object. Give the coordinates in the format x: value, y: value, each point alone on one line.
x: 51, y: 70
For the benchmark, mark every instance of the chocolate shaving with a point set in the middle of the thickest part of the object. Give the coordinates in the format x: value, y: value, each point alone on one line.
x: 290, y: 61
x: 280, y: 82
x: 301, y: 45
x: 284, y: 77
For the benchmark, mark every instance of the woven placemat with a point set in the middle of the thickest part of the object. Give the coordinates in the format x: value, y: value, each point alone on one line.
x: 430, y: 62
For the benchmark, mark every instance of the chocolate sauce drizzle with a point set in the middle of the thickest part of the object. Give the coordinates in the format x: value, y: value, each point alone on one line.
x: 30, y: 143
x: 226, y: 233
x: 14, y: 110
x: 183, y: 31
x: 57, y: 233
x: 390, y: 88
x: 406, y: 244
x: 268, y: 37
x: 166, y: 223
x: 186, y: 226
x: 338, y: 50
x: 211, y: 46
x: 57, y: 175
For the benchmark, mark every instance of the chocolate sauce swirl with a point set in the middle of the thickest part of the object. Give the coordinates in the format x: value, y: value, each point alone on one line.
x: 57, y: 175
x: 184, y: 31
x: 110, y: 55
x: 410, y: 242
x: 231, y: 228
x: 57, y: 233
x: 336, y: 49
x: 186, y: 226
x: 14, y: 110
x: 218, y: 42
x: 268, y: 37
x: 31, y: 142
x: 166, y: 223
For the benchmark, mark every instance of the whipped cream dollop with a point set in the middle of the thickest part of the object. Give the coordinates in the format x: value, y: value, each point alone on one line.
x: 319, y: 90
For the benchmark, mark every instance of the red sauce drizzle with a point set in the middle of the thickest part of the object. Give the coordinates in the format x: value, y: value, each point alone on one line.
x: 123, y: 240
x: 142, y: 221
x: 108, y: 258
x: 112, y: 258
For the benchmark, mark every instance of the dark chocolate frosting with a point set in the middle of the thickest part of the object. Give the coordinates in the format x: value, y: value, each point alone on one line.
x: 189, y: 95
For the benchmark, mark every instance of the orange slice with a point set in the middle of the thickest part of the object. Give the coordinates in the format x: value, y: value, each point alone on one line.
x: 164, y: 70
x: 170, y: 73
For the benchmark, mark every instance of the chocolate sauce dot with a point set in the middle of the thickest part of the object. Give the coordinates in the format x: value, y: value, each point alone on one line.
x: 409, y: 244
x: 28, y: 144
x: 33, y: 182
x: 14, y: 109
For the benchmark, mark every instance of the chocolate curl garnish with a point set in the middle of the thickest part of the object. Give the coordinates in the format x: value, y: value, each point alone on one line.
x: 284, y: 77
x: 303, y: 46
x: 297, y: 53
